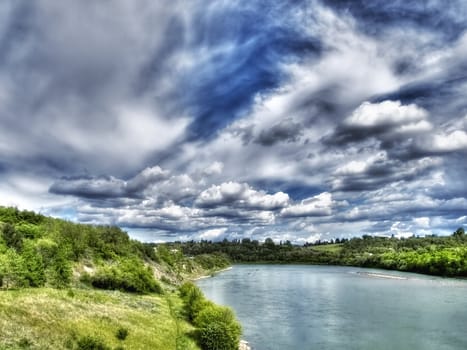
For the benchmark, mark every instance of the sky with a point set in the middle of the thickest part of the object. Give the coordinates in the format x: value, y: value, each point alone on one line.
x: 296, y: 120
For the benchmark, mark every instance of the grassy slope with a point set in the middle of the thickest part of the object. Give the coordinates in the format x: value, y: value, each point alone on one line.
x: 55, y: 319
x: 47, y: 318
x: 333, y: 248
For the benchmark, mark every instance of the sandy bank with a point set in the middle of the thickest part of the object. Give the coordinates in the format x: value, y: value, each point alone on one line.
x: 244, y: 345
x: 381, y: 275
x: 214, y: 273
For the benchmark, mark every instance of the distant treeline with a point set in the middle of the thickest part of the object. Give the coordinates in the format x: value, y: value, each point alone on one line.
x: 443, y: 256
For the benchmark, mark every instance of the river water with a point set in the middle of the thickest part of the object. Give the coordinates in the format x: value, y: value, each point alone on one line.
x: 301, y: 307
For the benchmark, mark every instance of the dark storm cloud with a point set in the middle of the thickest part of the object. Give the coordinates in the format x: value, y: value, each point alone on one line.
x: 89, y: 187
x: 380, y: 173
x: 103, y: 187
x: 285, y: 131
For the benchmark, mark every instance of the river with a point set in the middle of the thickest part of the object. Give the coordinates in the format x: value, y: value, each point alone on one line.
x: 302, y: 307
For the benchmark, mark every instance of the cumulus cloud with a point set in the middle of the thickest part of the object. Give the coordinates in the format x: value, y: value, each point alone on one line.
x: 320, y: 205
x: 240, y: 195
x: 386, y: 120
x: 449, y: 142
x: 386, y: 113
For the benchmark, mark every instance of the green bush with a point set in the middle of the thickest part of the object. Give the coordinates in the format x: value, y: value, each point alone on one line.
x: 126, y: 275
x: 217, y: 328
x: 193, y: 300
x: 91, y: 343
x: 60, y: 272
x: 121, y: 333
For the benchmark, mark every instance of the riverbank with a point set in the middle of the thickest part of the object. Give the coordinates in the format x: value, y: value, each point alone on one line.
x: 244, y: 345
x: 212, y: 274
x: 381, y: 275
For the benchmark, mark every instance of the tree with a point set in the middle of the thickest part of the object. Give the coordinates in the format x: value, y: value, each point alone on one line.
x: 12, y: 237
x: 60, y: 272
x: 460, y: 232
x: 269, y: 243
x: 12, y: 270
x: 34, y: 265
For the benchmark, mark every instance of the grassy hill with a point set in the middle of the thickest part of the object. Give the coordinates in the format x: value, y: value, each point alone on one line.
x: 46, y: 318
x: 71, y: 286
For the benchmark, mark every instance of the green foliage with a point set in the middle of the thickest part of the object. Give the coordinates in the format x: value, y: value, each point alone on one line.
x: 171, y: 256
x: 121, y: 333
x: 460, y: 232
x: 13, y: 216
x: 60, y: 272
x: 193, y: 300
x: 34, y: 265
x: 91, y: 343
x: 12, y: 237
x: 12, y: 270
x: 212, y: 261
x: 28, y: 230
x: 126, y: 275
x: 444, y: 256
x: 217, y: 328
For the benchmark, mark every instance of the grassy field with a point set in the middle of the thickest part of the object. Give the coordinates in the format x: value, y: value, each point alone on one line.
x: 333, y: 248
x: 90, y: 319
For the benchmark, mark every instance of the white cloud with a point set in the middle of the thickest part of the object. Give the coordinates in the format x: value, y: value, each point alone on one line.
x: 241, y: 195
x: 449, y: 142
x: 401, y: 230
x: 388, y: 113
x: 423, y: 222
x: 320, y: 205
x: 213, y: 234
x: 214, y: 169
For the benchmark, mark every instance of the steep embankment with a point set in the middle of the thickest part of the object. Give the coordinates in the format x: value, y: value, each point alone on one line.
x: 72, y: 286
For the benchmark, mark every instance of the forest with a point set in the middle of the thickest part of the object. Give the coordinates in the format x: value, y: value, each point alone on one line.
x: 434, y: 255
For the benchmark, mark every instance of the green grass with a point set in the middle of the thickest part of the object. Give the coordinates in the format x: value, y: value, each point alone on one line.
x: 333, y: 248
x: 57, y: 319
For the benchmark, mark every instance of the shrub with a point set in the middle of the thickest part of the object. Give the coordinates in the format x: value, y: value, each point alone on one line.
x: 217, y: 328
x: 127, y: 275
x: 193, y: 300
x: 122, y: 333
x: 91, y: 343
x: 59, y: 273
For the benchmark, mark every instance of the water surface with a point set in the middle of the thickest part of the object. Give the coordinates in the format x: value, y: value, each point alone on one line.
x: 284, y: 307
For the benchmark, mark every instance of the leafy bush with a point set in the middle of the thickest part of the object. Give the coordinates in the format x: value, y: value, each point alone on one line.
x: 121, y: 333
x: 127, y: 275
x: 193, y: 300
x: 59, y: 273
x: 12, y: 270
x: 217, y: 328
x: 12, y: 237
